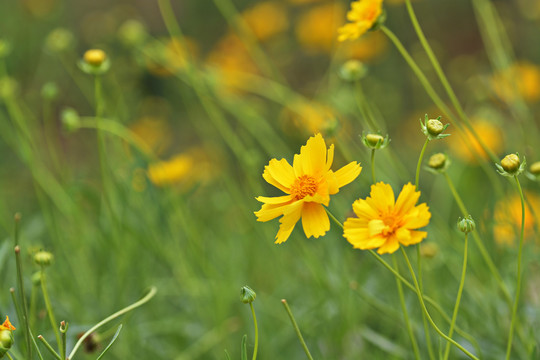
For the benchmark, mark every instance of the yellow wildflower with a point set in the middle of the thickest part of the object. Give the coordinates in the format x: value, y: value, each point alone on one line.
x: 385, y: 223
x: 508, y: 218
x: 362, y: 17
x: 490, y: 134
x: 522, y: 78
x: 7, y: 325
x: 316, y: 28
x: 308, y: 183
x: 266, y: 19
x: 167, y: 57
x: 171, y: 171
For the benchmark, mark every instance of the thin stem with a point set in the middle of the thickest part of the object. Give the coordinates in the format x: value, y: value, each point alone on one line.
x: 479, y: 243
x: 458, y: 298
x: 63, y: 331
x: 256, y: 331
x: 48, y: 306
x: 417, y: 177
x: 444, y: 80
x: 519, y: 274
x: 49, y: 347
x: 22, y: 297
x: 373, y: 166
x: 405, y: 312
x: 297, y: 329
x: 135, y: 305
x: 423, y: 305
x: 364, y: 108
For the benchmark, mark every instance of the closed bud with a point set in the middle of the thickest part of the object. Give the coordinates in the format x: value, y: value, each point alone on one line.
x: 437, y: 161
x: 43, y: 258
x: 70, y: 119
x: 352, y: 70
x: 435, y: 127
x: 49, y: 91
x: 510, y: 163
x: 6, y: 337
x: 247, y: 295
x: 466, y: 225
x: 132, y: 33
x: 95, y: 57
x: 535, y: 168
x: 59, y: 40
x: 375, y: 141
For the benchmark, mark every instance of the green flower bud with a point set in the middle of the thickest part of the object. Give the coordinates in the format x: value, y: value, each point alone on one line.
x: 433, y: 128
x: 535, y: 168
x: 70, y: 119
x: 36, y: 278
x: 429, y: 250
x: 59, y: 40
x: 95, y: 62
x: 247, y: 295
x: 437, y: 161
x: 510, y: 163
x: 132, y: 33
x: 49, y: 91
x: 352, y: 70
x: 466, y: 225
x: 6, y: 341
x: 375, y: 141
x: 43, y: 258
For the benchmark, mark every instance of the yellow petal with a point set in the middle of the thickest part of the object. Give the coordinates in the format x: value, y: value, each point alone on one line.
x: 375, y: 227
x: 348, y: 173
x: 313, y: 155
x: 362, y: 209
x: 418, y: 217
x: 288, y: 221
x: 381, y: 198
x: 329, y: 158
x: 390, y: 246
x: 280, y: 174
x: 415, y: 237
x: 332, y: 181
x: 407, y: 199
x: 314, y: 220
x: 270, y: 211
x: 275, y: 199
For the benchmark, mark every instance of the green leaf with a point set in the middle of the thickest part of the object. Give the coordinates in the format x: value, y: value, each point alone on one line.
x: 112, y: 341
x: 243, y: 349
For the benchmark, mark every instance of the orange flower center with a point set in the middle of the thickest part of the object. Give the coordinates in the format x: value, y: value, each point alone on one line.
x: 303, y: 186
x: 391, y: 225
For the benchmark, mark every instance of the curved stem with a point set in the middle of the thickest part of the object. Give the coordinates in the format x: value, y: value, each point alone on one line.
x: 444, y: 80
x: 135, y: 305
x: 519, y: 275
x: 423, y: 305
x: 256, y: 331
x: 458, y: 298
x: 405, y: 312
x: 417, y: 177
x: 373, y: 165
x: 297, y: 329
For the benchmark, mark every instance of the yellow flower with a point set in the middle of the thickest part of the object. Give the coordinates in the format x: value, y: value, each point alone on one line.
x: 508, y: 218
x: 316, y: 28
x: 490, y: 134
x: 266, y: 19
x: 362, y: 16
x: 171, y: 171
x: 7, y: 325
x: 308, y: 183
x: 385, y: 223
x: 522, y: 79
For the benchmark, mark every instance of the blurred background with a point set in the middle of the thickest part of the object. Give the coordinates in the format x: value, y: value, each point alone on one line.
x: 191, y: 117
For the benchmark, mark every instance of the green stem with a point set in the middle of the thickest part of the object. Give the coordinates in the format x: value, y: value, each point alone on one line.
x: 256, y: 331
x: 405, y: 312
x: 479, y: 243
x: 364, y: 107
x: 373, y: 165
x: 48, y: 306
x: 22, y: 296
x: 458, y: 298
x: 49, y: 347
x: 135, y: 305
x: 297, y: 329
x: 444, y: 80
x: 63, y: 330
x: 519, y: 274
x: 417, y: 177
x: 424, y: 309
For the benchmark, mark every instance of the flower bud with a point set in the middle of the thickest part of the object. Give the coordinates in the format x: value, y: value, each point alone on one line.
x: 132, y: 33
x: 95, y: 57
x: 70, y: 119
x: 6, y: 336
x: 435, y: 127
x: 43, y: 258
x: 374, y: 139
x: 49, y: 91
x: 437, y: 161
x: 352, y: 70
x: 247, y: 295
x: 466, y: 225
x: 510, y: 163
x: 429, y: 250
x: 535, y: 168
x: 59, y: 40
x: 36, y: 278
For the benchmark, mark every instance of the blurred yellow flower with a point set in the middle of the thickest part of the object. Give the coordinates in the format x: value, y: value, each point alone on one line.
x: 316, y: 28
x: 170, y: 171
x: 300, y: 2
x: 522, y: 78
x: 507, y: 218
x: 310, y: 117
x: 266, y: 19
x: 366, y: 48
x: 164, y: 58
x: 155, y: 132
x: 231, y: 59
x: 362, y: 17
x: 308, y: 183
x: 7, y: 325
x: 384, y: 223
x: 489, y: 133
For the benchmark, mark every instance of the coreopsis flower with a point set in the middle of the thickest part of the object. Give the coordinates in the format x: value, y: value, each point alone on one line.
x: 6, y: 337
x: 362, y: 16
x: 308, y: 183
x: 384, y: 223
